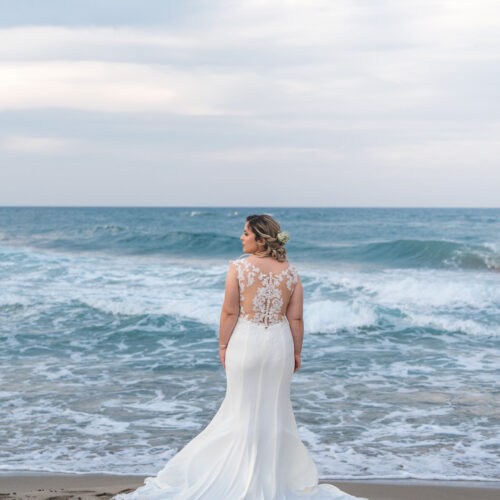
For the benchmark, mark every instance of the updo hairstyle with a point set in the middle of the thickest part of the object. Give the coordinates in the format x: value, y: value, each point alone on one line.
x: 267, y: 228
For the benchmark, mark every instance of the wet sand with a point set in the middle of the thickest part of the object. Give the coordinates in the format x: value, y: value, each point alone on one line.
x: 49, y: 486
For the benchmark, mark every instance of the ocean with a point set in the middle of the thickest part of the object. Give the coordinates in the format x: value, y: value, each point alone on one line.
x: 109, y: 333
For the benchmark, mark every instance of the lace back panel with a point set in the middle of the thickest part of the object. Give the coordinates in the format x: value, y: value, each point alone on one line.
x: 264, y: 297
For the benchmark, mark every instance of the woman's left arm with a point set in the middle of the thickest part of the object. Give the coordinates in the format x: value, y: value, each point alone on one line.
x: 230, y: 312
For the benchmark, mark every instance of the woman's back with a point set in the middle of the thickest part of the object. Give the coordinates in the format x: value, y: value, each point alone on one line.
x: 266, y: 286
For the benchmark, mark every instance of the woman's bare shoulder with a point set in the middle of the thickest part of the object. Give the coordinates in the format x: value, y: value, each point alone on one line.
x: 238, y: 260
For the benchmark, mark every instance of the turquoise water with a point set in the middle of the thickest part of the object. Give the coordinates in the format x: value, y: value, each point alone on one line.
x: 109, y: 324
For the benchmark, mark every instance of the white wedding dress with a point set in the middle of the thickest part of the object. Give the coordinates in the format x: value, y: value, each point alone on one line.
x: 251, y: 449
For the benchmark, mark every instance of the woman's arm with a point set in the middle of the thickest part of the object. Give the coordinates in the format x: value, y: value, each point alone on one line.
x: 229, y: 313
x: 294, y: 316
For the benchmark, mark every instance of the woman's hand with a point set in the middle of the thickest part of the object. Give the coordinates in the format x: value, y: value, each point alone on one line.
x: 222, y: 356
x: 297, y: 361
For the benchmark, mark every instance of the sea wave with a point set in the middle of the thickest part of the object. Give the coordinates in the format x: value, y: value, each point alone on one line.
x: 398, y: 253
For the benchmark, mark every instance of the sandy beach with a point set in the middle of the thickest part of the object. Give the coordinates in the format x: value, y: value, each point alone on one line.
x: 48, y: 486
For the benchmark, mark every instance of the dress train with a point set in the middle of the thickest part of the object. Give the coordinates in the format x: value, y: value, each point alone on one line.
x: 251, y: 449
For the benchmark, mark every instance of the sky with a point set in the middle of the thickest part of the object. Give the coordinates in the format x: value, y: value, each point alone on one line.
x: 368, y: 103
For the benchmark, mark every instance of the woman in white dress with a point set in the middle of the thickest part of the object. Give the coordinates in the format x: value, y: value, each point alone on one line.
x: 251, y: 449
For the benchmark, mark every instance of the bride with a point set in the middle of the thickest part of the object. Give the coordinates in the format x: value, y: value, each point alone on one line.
x: 251, y: 449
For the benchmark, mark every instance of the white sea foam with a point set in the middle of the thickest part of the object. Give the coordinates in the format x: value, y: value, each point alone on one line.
x: 329, y: 316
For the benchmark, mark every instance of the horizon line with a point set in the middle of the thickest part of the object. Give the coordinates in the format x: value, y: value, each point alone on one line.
x: 249, y: 206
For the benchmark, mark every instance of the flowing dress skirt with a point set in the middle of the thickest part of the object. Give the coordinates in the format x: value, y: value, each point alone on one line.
x: 251, y: 449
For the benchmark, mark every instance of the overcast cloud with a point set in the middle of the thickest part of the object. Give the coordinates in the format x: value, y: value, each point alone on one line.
x: 290, y: 102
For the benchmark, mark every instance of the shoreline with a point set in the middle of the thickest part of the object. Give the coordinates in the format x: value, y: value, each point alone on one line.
x: 90, y: 486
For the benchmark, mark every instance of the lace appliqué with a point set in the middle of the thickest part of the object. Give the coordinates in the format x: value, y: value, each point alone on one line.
x: 267, y: 299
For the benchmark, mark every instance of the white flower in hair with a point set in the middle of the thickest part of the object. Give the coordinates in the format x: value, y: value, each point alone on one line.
x: 283, y: 236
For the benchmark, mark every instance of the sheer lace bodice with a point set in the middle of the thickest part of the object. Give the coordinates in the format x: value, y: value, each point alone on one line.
x: 264, y: 297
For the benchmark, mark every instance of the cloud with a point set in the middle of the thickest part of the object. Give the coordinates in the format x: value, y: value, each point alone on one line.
x: 94, y: 42
x: 454, y: 156
x: 371, y: 95
x: 37, y: 145
x: 204, y: 90
x: 92, y: 85
x: 270, y: 154
x: 115, y: 87
x: 292, y: 58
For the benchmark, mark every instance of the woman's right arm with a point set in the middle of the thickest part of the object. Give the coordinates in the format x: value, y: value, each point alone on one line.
x: 294, y: 316
x: 230, y: 312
